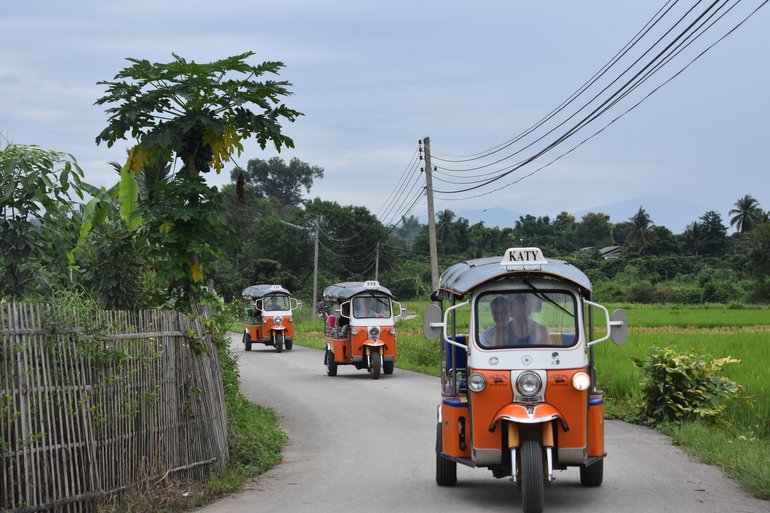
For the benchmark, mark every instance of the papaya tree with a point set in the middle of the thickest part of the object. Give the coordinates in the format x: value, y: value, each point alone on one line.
x: 194, y: 116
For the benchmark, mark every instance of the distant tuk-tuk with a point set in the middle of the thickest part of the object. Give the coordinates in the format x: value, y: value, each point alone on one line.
x: 360, y: 327
x: 518, y: 381
x: 268, y: 317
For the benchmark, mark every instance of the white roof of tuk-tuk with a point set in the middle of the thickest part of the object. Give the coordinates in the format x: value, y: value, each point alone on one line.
x: 458, y: 279
x: 259, y: 291
x: 348, y: 289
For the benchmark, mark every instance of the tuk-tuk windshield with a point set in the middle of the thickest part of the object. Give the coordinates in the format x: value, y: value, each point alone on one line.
x: 526, y: 318
x: 276, y: 303
x: 371, y: 307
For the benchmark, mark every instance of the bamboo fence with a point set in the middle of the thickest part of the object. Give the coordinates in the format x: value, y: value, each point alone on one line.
x: 96, y: 403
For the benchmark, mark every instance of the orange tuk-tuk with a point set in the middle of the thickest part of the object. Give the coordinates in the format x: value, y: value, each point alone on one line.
x: 360, y: 327
x: 268, y: 317
x: 518, y: 380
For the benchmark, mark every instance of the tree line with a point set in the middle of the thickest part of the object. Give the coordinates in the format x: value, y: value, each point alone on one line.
x: 161, y: 233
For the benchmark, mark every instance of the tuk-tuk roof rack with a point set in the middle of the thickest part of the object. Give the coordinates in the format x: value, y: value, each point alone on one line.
x: 346, y: 290
x: 463, y: 276
x: 259, y: 291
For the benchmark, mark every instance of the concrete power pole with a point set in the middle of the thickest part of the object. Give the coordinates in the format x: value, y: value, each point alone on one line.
x: 431, y: 217
x: 315, y: 272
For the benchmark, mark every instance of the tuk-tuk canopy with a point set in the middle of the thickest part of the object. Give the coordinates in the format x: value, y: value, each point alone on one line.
x: 340, y: 292
x: 458, y: 279
x: 259, y: 291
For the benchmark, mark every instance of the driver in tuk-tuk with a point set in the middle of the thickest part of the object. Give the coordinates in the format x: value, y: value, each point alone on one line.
x: 513, y: 325
x: 272, y: 304
x: 523, y: 329
x: 362, y: 308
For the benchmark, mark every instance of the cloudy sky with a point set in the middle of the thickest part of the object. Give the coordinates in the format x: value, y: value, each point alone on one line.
x: 374, y: 78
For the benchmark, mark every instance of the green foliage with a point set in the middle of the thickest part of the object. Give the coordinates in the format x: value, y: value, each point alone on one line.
x: 115, y: 268
x: 273, y: 178
x: 35, y: 193
x: 681, y: 386
x: 199, y: 113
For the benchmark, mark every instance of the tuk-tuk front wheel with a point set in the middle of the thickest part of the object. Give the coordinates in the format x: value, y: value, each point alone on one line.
x: 531, y: 473
x: 592, y: 475
x: 446, y: 469
x: 331, y: 365
x: 246, y: 342
x: 375, y: 362
x: 278, y: 341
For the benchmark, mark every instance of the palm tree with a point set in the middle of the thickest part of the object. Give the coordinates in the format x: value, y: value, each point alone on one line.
x: 746, y: 214
x: 444, y: 227
x: 640, y: 235
x: 691, y: 237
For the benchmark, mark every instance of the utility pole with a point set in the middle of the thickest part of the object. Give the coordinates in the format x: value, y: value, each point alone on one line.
x: 377, y: 262
x: 431, y: 217
x: 315, y: 271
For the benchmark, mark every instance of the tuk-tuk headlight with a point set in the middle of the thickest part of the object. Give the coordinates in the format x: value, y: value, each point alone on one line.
x: 354, y: 331
x: 392, y: 331
x: 528, y: 384
x: 477, y: 382
x: 581, y: 381
x: 277, y: 319
x: 374, y: 332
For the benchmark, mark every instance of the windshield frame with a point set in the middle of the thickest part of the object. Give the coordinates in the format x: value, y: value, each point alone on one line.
x: 547, y: 312
x: 383, y: 309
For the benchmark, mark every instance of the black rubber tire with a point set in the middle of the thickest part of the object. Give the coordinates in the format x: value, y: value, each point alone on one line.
x: 446, y: 470
x: 532, y: 473
x: 388, y: 367
x: 278, y: 341
x: 331, y: 365
x: 592, y: 475
x: 288, y: 344
x: 246, y: 342
x: 375, y: 360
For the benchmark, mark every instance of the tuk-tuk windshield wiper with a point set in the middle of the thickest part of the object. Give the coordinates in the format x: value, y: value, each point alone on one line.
x: 545, y: 297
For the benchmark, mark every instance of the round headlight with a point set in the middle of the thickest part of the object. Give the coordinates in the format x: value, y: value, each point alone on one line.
x: 392, y: 331
x: 528, y: 384
x: 374, y: 332
x: 581, y: 381
x: 277, y: 319
x: 354, y: 331
x: 477, y: 382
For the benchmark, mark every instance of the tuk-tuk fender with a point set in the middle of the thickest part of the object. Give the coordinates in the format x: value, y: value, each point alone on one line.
x: 530, y: 414
x: 372, y: 343
x: 277, y: 328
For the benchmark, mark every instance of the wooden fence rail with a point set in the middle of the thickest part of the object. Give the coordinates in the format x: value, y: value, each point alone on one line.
x: 95, y: 403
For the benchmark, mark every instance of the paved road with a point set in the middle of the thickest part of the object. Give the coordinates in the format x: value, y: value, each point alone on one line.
x: 367, y: 446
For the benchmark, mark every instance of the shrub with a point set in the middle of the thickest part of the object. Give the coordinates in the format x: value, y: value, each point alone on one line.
x: 682, y: 386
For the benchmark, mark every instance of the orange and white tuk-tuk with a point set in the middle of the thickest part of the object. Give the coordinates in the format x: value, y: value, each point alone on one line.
x: 518, y: 381
x: 360, y: 327
x: 268, y: 317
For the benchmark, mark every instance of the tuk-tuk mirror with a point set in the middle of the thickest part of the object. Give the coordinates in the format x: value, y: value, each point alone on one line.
x: 433, y: 317
x: 619, y: 327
